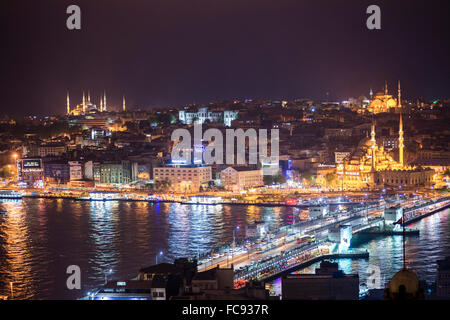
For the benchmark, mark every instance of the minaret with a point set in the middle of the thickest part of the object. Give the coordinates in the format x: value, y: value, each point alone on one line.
x: 399, y: 103
x: 84, y: 103
x: 123, y: 103
x: 104, y: 100
x: 89, y: 96
x: 68, y: 103
x: 371, y: 93
x: 373, y: 145
x: 400, y: 140
x: 385, y: 88
x: 101, y: 104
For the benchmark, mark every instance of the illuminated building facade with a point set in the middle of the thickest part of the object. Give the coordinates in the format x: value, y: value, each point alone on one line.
x: 383, y: 101
x: 30, y: 171
x: 204, y: 115
x: 183, y: 178
x: 123, y: 172
x: 241, y: 178
x: 87, y: 106
x: 371, y: 166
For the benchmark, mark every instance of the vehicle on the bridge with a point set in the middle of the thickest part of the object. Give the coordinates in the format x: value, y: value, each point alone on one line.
x: 306, y: 239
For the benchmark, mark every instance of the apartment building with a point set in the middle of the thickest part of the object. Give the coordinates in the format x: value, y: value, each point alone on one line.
x: 183, y: 178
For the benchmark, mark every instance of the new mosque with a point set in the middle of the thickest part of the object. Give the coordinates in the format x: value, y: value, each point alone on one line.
x: 370, y: 166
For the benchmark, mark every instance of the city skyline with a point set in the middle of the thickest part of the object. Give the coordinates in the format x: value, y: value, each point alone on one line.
x: 224, y: 150
x: 161, y: 56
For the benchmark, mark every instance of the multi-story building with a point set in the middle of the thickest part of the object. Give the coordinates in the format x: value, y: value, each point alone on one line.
x: 405, y: 178
x: 76, y: 171
x: 132, y: 290
x: 51, y: 149
x: 122, y: 172
x: 57, y: 172
x: 203, y: 115
x: 183, y: 178
x: 328, y: 283
x: 30, y: 170
x: 213, y: 279
x: 241, y: 178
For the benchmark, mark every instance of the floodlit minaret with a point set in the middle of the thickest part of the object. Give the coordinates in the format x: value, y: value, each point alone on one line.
x: 68, y: 103
x: 104, y: 100
x: 371, y: 93
x: 123, y: 103
x: 400, y: 141
x: 399, y: 104
x: 89, y: 96
x: 84, y: 103
x: 385, y: 88
x: 101, y: 104
x: 373, y: 145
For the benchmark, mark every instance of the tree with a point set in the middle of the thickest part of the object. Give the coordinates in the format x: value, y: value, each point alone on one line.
x: 309, y: 176
x: 330, y: 177
x: 280, y: 179
x: 7, y: 171
x: 277, y: 179
x: 268, y: 180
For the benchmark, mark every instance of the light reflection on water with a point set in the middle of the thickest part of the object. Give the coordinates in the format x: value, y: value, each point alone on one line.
x: 40, y: 238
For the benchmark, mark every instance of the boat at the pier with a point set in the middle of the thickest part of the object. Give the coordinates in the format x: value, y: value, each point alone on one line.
x: 10, y: 194
x: 99, y: 196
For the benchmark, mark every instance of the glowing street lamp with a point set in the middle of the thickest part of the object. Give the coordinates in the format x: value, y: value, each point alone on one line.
x: 159, y: 254
x: 106, y: 275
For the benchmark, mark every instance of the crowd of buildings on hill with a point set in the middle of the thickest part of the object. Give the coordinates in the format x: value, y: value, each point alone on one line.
x: 364, y: 143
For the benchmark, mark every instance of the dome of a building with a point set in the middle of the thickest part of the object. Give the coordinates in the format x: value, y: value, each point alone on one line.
x: 406, y: 278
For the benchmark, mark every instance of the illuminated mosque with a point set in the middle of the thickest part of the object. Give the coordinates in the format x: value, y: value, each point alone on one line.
x: 383, y: 102
x: 371, y: 166
x: 87, y: 107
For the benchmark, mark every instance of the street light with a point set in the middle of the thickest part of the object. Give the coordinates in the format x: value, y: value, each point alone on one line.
x: 159, y: 254
x: 106, y: 275
x: 234, y: 243
x: 12, y: 291
x: 237, y: 228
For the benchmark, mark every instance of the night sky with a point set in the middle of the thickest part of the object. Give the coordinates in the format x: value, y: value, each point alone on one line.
x: 173, y: 52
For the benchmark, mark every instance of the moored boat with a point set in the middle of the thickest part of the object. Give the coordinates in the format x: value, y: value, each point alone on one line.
x: 10, y: 194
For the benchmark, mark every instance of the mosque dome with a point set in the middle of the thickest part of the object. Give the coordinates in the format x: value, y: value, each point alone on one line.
x: 405, y: 278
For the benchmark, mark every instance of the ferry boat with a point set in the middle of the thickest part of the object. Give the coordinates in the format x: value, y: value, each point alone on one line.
x: 99, y: 196
x: 204, y: 200
x: 10, y: 194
